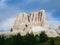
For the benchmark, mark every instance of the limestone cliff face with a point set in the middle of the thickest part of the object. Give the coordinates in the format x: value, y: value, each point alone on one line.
x: 22, y: 19
x: 34, y: 23
x: 25, y: 22
x: 38, y: 18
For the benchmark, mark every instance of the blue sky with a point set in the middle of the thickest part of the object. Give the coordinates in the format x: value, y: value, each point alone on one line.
x: 9, y: 10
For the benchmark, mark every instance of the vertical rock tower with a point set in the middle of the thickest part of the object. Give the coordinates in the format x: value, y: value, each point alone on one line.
x: 22, y: 19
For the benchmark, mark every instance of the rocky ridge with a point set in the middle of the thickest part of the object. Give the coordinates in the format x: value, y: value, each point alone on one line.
x: 34, y: 19
x: 34, y: 22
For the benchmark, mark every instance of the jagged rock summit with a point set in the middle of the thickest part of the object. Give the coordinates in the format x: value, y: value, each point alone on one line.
x: 33, y: 19
x: 34, y: 23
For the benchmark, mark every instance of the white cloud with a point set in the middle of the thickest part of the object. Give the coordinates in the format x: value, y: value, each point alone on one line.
x: 7, y: 24
x: 52, y: 21
x: 49, y: 16
x: 2, y: 3
x: 54, y: 24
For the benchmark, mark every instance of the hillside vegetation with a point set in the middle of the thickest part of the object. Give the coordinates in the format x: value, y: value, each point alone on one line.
x: 29, y: 39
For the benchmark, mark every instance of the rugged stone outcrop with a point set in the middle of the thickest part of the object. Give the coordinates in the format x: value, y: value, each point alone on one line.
x: 34, y: 22
x: 38, y: 18
x: 34, y: 19
x: 22, y: 19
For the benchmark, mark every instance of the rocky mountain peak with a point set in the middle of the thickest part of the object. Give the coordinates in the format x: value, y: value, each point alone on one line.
x: 37, y: 18
x: 34, y: 23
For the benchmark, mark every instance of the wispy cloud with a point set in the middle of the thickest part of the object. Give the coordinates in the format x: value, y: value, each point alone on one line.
x: 54, y: 24
x: 52, y: 21
x: 2, y: 3
x: 7, y: 24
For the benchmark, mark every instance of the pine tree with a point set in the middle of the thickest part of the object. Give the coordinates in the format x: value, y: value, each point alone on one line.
x: 52, y: 41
